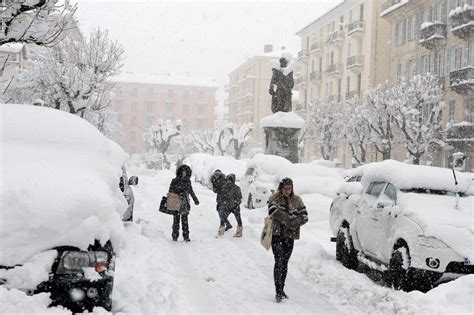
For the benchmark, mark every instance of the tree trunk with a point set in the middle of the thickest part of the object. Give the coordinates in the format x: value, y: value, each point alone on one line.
x: 416, y: 160
x: 386, y: 155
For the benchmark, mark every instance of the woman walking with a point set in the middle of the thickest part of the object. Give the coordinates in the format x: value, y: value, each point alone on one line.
x: 288, y: 213
x: 181, y: 185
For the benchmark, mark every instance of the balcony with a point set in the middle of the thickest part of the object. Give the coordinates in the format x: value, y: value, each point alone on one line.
x: 300, y: 83
x: 334, y: 69
x: 352, y: 94
x: 462, y: 21
x: 459, y: 136
x: 462, y: 80
x: 355, y: 63
x: 316, y: 49
x: 315, y: 76
x: 392, y: 5
x: 303, y: 56
x: 356, y: 29
x: 335, y: 38
x: 432, y: 35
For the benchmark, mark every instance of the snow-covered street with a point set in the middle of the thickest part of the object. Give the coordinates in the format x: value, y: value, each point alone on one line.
x: 231, y: 275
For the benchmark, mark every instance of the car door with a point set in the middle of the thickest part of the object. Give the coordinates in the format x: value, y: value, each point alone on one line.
x: 386, y: 212
x: 366, y: 217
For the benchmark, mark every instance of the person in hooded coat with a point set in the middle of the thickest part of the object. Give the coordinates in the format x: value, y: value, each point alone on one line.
x: 181, y: 185
x: 218, y: 181
x: 288, y: 213
x: 232, y: 199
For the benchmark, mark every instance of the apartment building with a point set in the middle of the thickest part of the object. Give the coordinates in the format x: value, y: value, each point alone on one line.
x: 339, y: 58
x: 248, y: 98
x: 142, y: 99
x: 437, y: 36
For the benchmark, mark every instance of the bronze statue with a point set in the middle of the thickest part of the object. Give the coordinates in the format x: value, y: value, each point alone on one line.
x: 280, y: 87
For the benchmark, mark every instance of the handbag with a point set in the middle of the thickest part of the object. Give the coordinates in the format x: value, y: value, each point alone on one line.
x: 173, y: 201
x: 163, y: 207
x: 266, y: 236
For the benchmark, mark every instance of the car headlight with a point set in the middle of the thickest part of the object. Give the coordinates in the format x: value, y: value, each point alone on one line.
x: 432, y: 242
x: 74, y: 261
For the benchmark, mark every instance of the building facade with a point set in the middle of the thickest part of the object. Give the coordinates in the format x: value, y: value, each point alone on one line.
x: 142, y: 99
x: 437, y: 37
x: 248, y: 97
x: 12, y: 60
x: 339, y: 58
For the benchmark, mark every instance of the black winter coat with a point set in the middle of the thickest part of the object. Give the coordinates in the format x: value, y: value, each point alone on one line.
x: 182, y: 186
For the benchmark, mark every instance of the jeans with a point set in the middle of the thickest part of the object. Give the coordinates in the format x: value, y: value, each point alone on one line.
x: 282, y: 248
x: 184, y: 226
x: 223, y: 215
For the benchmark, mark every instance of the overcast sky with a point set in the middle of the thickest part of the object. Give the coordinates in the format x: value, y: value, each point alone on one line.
x: 206, y: 39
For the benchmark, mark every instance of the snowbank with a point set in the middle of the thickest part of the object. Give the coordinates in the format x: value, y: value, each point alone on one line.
x: 267, y: 163
x: 59, y: 183
x: 310, y: 179
x: 282, y: 119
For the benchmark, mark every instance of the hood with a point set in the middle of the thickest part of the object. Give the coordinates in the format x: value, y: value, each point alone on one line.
x: 182, y: 168
x: 438, y: 217
x: 231, y: 178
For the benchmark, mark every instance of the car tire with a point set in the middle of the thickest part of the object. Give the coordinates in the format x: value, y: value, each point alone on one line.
x: 250, y: 202
x: 399, y: 268
x: 345, y: 251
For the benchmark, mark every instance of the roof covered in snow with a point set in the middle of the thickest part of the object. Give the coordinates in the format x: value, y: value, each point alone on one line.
x: 11, y: 48
x: 165, y: 79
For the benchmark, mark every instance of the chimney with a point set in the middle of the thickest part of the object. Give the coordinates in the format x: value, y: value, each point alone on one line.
x: 267, y: 48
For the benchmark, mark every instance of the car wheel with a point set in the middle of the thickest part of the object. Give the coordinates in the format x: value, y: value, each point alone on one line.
x: 345, y: 251
x: 250, y: 202
x: 399, y: 268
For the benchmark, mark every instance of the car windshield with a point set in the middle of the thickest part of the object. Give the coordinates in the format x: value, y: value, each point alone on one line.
x: 432, y: 192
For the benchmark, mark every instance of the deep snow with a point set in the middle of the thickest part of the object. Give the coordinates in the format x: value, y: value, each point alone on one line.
x: 230, y: 275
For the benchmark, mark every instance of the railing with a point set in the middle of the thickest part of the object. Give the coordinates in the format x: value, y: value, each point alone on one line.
x: 355, y: 26
x: 432, y: 34
x: 335, y: 37
x: 355, y: 61
x: 315, y: 76
x: 302, y: 54
x: 333, y: 68
x: 462, y: 22
x: 316, y: 46
x: 462, y: 80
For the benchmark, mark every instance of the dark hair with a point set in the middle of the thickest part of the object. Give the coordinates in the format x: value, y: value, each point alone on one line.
x: 285, y: 182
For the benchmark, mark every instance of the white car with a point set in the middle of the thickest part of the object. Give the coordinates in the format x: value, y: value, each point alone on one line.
x: 413, y: 223
x: 260, y: 179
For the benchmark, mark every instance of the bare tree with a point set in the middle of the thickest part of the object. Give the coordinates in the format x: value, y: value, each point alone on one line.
x: 417, y: 108
x: 34, y: 21
x: 324, y: 117
x: 239, y: 135
x: 157, y: 141
x: 356, y: 128
x: 379, y: 99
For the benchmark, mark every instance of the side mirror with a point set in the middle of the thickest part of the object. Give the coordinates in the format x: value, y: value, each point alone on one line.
x: 133, y: 181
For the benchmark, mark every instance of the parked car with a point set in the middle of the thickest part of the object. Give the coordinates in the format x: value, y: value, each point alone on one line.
x: 260, y: 179
x: 413, y: 223
x: 127, y: 191
x: 60, y: 206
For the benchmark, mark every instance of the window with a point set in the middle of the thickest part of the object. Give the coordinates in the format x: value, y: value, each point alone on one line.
x: 150, y: 107
x: 149, y: 120
x: 438, y: 63
x: 151, y: 91
x: 185, y: 108
x: 399, y: 70
x: 348, y: 84
x: 400, y: 32
x: 425, y: 63
x: 361, y: 12
x: 200, y: 109
x: 411, y: 68
x: 469, y: 109
x: 169, y: 107
x: 451, y: 109
x: 375, y: 188
x: 134, y: 91
x: 134, y: 107
x: 391, y: 192
x: 341, y: 23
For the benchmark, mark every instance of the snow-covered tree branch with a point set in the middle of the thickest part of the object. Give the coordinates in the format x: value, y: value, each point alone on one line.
x: 34, y: 21
x: 239, y: 135
x: 324, y: 124
x: 356, y: 129
x: 157, y: 141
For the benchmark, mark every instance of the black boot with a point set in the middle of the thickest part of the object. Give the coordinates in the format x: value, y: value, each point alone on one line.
x: 228, y: 227
x: 283, y: 295
x: 278, y: 297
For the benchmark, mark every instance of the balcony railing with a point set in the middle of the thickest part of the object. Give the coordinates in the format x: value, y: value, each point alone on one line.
x: 334, y: 68
x: 303, y: 55
x: 462, y: 80
x: 355, y: 62
x: 355, y: 28
x: 391, y: 6
x: 335, y: 37
x: 462, y: 22
x: 316, y: 48
x: 300, y: 82
x: 315, y: 76
x: 432, y: 35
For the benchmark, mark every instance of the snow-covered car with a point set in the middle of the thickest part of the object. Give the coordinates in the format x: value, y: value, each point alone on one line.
x: 260, y: 179
x: 411, y: 222
x: 127, y: 191
x: 60, y: 207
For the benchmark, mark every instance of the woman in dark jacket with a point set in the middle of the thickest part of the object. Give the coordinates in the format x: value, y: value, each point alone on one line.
x: 181, y: 185
x: 288, y: 213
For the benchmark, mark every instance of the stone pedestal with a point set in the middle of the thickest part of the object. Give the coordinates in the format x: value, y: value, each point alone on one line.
x: 281, y: 134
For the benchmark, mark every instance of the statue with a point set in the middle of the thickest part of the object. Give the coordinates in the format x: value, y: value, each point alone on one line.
x: 281, y: 85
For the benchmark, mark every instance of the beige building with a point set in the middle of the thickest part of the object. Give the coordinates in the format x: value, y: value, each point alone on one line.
x: 248, y: 98
x: 142, y: 99
x: 437, y: 36
x: 339, y: 58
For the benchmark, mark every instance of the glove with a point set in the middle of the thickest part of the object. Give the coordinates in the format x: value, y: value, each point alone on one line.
x: 196, y: 202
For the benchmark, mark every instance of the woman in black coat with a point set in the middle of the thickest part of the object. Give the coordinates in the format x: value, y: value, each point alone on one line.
x: 181, y: 185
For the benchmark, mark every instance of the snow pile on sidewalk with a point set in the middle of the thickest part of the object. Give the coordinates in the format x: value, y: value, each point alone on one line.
x: 59, y: 183
x: 203, y: 165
